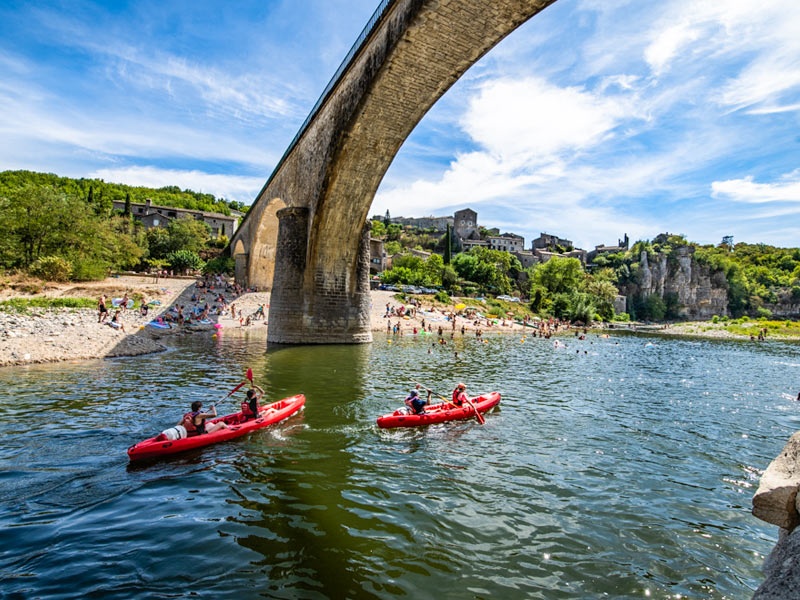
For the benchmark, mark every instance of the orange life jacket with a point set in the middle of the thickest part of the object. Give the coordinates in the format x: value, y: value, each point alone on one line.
x: 458, y: 397
x: 188, y: 422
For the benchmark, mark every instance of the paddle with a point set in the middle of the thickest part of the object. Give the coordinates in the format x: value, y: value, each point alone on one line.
x: 478, y: 415
x: 231, y: 393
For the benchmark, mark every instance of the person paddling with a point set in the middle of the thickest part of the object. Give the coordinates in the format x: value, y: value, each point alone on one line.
x: 460, y: 395
x: 253, y: 397
x: 415, y: 403
x: 195, y: 421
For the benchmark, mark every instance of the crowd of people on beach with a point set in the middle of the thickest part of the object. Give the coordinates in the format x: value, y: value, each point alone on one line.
x: 209, y: 299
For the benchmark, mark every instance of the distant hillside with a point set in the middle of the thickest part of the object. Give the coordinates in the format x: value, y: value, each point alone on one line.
x: 103, y: 193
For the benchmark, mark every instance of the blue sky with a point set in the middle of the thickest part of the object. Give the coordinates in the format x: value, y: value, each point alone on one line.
x: 592, y: 120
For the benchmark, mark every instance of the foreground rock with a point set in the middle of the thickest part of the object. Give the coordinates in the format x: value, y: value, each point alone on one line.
x: 782, y: 569
x: 776, y: 502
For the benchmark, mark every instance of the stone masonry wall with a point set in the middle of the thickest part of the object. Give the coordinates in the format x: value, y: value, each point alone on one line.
x: 421, y: 48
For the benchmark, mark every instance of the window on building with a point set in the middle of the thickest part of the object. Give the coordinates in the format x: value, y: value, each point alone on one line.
x: 155, y: 222
x: 172, y: 213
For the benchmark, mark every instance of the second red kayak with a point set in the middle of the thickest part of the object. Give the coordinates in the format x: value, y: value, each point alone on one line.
x: 439, y: 413
x: 238, y: 425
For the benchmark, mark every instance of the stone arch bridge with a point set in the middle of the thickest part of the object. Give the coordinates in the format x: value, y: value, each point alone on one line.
x: 305, y: 238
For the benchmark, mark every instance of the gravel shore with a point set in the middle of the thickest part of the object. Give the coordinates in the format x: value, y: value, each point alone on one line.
x: 51, y: 335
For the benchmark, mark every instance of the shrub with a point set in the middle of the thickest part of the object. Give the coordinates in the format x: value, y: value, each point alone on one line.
x: 220, y: 264
x: 52, y: 268
x: 89, y: 270
x: 221, y: 241
x: 441, y: 296
x: 623, y: 317
x: 22, y: 304
x: 715, y: 319
x: 184, y: 260
x: 763, y: 313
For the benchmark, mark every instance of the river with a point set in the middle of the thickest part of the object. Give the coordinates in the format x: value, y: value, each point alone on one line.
x: 609, y: 470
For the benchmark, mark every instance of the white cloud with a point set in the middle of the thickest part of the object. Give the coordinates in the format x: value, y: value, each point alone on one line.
x: 787, y: 189
x: 773, y: 110
x: 531, y: 119
x: 529, y: 133
x: 232, y: 187
x: 667, y: 44
x: 761, y: 42
x: 30, y: 115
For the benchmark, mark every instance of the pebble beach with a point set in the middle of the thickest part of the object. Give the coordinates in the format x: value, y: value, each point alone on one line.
x: 64, y: 334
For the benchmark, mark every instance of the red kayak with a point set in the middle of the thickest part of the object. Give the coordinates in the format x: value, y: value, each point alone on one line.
x: 439, y: 413
x: 238, y: 426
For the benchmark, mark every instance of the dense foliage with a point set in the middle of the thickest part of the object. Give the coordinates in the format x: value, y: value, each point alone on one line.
x: 101, y: 194
x: 58, y: 236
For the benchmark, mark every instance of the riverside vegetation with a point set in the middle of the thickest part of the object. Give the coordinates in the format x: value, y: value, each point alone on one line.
x: 753, y: 276
x: 60, y: 229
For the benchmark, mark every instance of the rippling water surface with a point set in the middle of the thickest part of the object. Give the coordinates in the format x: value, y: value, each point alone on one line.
x: 618, y: 472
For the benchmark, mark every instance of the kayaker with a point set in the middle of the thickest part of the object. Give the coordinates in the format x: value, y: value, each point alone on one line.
x: 460, y: 395
x: 195, y: 421
x: 415, y: 403
x: 253, y: 397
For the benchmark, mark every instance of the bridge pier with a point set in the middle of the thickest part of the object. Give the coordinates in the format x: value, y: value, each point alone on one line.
x: 312, y: 259
x: 312, y: 303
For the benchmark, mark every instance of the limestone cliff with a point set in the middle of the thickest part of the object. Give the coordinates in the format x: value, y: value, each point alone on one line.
x: 701, y: 292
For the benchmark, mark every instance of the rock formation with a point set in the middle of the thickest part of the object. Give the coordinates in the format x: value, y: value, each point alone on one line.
x: 776, y: 501
x: 701, y: 292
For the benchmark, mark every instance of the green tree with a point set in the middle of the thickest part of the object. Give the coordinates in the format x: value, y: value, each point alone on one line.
x: 432, y: 270
x: 655, y: 307
x: 394, y: 231
x: 559, y: 275
x: 450, y: 277
x: 184, y: 260
x: 38, y: 221
x: 188, y: 234
x: 220, y: 264
x: 392, y: 248
x: 378, y: 229
x: 158, y: 242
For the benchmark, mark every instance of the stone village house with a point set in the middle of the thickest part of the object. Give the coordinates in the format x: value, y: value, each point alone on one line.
x: 152, y: 215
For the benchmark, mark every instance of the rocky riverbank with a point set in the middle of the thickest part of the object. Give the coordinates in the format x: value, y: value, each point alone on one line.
x: 50, y: 335
x: 777, y: 502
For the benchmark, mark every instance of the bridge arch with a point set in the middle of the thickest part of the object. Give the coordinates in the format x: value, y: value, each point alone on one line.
x: 409, y: 55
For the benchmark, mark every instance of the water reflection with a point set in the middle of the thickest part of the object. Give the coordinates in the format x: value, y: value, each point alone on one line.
x: 612, y: 472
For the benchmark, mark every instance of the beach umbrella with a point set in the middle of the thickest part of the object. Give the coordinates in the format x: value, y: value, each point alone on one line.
x: 460, y: 306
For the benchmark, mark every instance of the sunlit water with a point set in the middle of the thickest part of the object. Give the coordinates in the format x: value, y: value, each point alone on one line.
x: 621, y: 472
